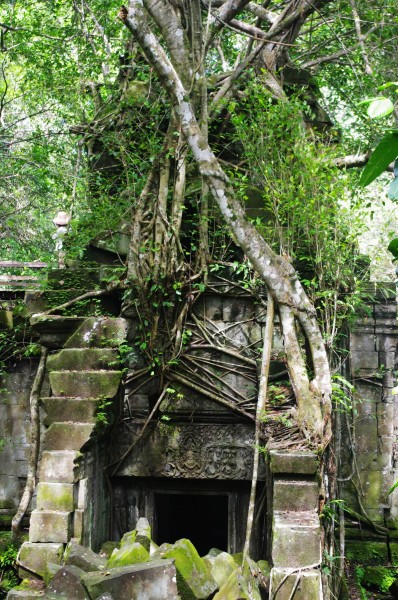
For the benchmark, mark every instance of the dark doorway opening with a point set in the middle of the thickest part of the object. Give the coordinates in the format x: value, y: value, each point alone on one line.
x: 202, y: 518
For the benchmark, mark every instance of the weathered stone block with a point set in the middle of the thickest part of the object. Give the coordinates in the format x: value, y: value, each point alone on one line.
x: 213, y: 307
x: 69, y: 409
x: 293, y: 495
x: 67, y: 436
x: 58, y: 466
x: 301, y: 463
x: 50, y: 526
x: 78, y: 525
x: 67, y: 581
x: 364, y: 360
x: 84, y: 359
x: 237, y: 586
x: 83, y: 557
x: 387, y: 343
x: 296, y: 542
x: 106, y: 332
x: 309, y: 586
x: 85, y: 384
x: 238, y: 309
x: 221, y: 566
x: 362, y: 343
x: 34, y: 557
x: 55, y: 496
x: 154, y: 580
x: 128, y: 554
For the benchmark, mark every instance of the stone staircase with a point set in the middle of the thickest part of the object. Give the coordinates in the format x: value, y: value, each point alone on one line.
x: 82, y: 375
x: 296, y: 529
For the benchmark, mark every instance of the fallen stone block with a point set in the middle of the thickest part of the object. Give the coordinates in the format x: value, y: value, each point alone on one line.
x: 34, y: 557
x: 154, y: 580
x: 82, y: 557
x: 221, y: 566
x: 239, y: 587
x: 67, y: 581
x: 194, y: 579
x: 128, y: 554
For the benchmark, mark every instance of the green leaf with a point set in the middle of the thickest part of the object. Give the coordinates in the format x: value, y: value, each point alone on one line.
x: 392, y: 488
x: 393, y: 189
x: 393, y: 248
x: 387, y: 85
x: 380, y: 107
x: 385, y: 152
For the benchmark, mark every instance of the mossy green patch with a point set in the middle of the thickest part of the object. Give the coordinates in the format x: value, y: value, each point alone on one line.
x: 194, y: 580
x: 128, y: 554
x: 379, y: 578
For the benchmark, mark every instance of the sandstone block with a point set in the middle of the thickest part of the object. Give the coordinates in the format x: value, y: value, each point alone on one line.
x: 57, y: 466
x: 50, y: 526
x: 85, y: 384
x: 290, y: 495
x: 34, y: 557
x: 84, y: 359
x: 67, y: 581
x: 303, y: 463
x: 69, y: 409
x: 154, y: 580
x: 296, y: 540
x: 67, y: 436
x: 106, y: 332
x: 84, y: 558
x: 55, y: 496
x: 309, y: 585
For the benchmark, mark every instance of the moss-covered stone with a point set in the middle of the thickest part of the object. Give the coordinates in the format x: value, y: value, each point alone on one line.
x: 99, y: 332
x: 107, y: 548
x: 35, y: 557
x: 129, y: 554
x: 85, y: 384
x: 67, y: 409
x: 55, y: 496
x: 67, y: 436
x: 76, y: 359
x: 143, y: 530
x: 194, y: 580
x: 50, y: 571
x: 82, y: 557
x: 221, y: 567
x: 238, y: 587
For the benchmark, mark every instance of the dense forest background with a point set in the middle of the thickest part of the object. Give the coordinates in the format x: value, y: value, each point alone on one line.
x: 203, y: 136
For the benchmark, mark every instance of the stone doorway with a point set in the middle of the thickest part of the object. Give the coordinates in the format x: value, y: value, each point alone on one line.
x: 211, y: 513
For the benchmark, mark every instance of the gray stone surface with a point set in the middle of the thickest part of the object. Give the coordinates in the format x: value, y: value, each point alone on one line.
x: 301, y: 463
x: 296, y: 539
x: 67, y: 581
x: 50, y: 526
x: 34, y: 557
x: 82, y: 557
x: 309, y: 585
x: 58, y: 466
x: 155, y: 580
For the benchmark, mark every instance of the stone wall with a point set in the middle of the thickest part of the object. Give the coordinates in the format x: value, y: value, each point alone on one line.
x: 14, y: 435
x: 372, y: 428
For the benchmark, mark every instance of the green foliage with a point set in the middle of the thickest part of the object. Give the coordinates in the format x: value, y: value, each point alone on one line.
x: 342, y: 394
x: 306, y: 214
x: 8, y: 567
x: 385, y: 152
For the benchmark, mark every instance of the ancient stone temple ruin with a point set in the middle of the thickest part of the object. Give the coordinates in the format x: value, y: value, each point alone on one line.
x: 113, y: 452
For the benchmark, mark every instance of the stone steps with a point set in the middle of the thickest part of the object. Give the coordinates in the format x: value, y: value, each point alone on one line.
x: 60, y: 409
x: 85, y: 384
x: 85, y: 359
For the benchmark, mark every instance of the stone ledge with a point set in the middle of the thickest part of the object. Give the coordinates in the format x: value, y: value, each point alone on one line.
x: 300, y: 463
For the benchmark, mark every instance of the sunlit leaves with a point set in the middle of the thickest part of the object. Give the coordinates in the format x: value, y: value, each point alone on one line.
x: 385, y: 152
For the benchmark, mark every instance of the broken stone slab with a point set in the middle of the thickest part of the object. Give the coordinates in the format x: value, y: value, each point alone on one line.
x: 84, y: 359
x: 67, y: 581
x: 143, y: 530
x: 105, y: 332
x: 221, y: 566
x: 296, y: 540
x: 51, y: 570
x: 60, y: 410
x: 85, y: 384
x: 154, y: 580
x: 34, y: 556
x: 82, y: 557
x: 58, y: 466
x: 309, y: 584
x: 50, y: 526
x: 55, y: 496
x: 295, y: 495
x: 300, y: 463
x: 239, y: 587
x: 128, y: 554
x: 194, y: 580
